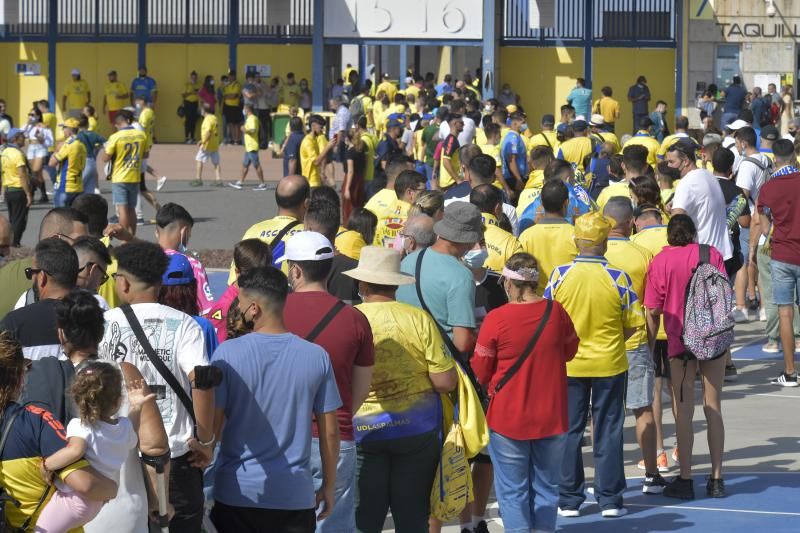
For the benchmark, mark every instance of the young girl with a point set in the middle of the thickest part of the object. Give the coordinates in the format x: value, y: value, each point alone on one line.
x: 102, y: 440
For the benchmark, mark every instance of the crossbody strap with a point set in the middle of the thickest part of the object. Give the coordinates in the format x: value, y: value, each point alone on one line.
x: 282, y: 233
x: 546, y: 140
x: 156, y: 361
x: 528, y: 349
x: 330, y: 315
x: 705, y: 254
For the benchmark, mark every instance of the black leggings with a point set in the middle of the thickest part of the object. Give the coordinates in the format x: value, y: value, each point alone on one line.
x: 189, y: 119
x: 17, y: 204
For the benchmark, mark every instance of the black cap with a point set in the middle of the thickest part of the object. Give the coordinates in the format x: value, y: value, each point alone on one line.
x: 579, y: 125
x: 770, y: 133
x: 548, y: 120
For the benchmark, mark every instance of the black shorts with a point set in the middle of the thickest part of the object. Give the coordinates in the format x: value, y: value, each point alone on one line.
x: 661, y: 360
x: 228, y: 518
x: 233, y: 114
x: 142, y: 184
x: 733, y: 265
x: 481, y: 459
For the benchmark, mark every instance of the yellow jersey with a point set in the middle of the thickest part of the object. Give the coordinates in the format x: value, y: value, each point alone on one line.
x: 576, y: 150
x: 669, y: 140
x: 147, y: 120
x: 643, y: 138
x: 391, y: 224
x: 350, y: 242
x: 251, y: 127
x: 449, y: 153
x: 613, y: 190
x: 654, y: 239
x: 92, y: 123
x: 480, y: 137
x: 191, y: 90
x: 608, y: 107
x: 634, y: 260
x: 290, y: 94
x: 117, y: 96
x: 108, y: 290
x: 608, y: 137
x: 370, y: 144
x: 601, y: 302
x: 309, y: 152
x: 232, y: 94
x: 381, y: 202
x: 387, y: 87
x: 72, y: 159
x: 209, y: 133
x: 126, y: 148
x: 49, y: 120
x: 499, y: 243
x: 12, y: 160
x: 552, y: 243
x: 533, y: 188
x: 77, y: 94
x: 267, y: 230
x: 543, y: 138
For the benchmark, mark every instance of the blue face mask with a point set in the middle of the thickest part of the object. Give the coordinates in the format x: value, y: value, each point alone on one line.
x: 523, y: 128
x: 476, y: 258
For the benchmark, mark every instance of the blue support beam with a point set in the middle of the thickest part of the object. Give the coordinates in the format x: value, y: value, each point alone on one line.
x: 403, y: 65
x: 489, y: 41
x: 142, y: 33
x: 679, y: 57
x: 318, y: 58
x: 588, y: 43
x: 52, y: 37
x: 233, y: 34
x: 362, y: 62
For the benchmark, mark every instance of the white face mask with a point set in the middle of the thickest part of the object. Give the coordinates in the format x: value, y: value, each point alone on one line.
x: 476, y: 258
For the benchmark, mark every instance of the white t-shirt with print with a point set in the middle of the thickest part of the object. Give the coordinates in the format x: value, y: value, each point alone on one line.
x: 700, y: 195
x: 178, y: 341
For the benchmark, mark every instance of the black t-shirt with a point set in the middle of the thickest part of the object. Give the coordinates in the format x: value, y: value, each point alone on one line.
x: 359, y: 161
x: 343, y: 287
x: 489, y: 295
x: 462, y: 190
x: 34, y: 326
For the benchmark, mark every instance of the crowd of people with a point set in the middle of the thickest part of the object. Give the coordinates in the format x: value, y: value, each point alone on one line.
x: 466, y: 257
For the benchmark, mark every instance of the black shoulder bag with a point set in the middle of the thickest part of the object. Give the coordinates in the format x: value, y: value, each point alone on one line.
x: 528, y: 349
x: 282, y: 233
x: 156, y: 361
x: 460, y: 357
x: 330, y: 315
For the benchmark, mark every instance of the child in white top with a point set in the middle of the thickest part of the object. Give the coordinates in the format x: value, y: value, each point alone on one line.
x: 99, y: 438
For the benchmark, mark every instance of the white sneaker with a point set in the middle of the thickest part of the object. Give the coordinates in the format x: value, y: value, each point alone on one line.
x: 569, y: 513
x: 262, y: 187
x: 740, y: 315
x: 235, y: 184
x: 160, y: 184
x: 762, y: 314
x: 770, y: 347
x: 615, y: 512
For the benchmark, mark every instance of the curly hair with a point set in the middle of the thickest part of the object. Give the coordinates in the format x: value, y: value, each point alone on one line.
x: 12, y: 365
x: 81, y: 318
x: 97, y: 391
x: 145, y: 261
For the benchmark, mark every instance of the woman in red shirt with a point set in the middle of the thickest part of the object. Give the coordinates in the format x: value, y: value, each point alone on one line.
x: 528, y: 416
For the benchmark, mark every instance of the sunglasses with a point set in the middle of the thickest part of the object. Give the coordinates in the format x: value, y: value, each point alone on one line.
x: 29, y: 272
x: 88, y: 267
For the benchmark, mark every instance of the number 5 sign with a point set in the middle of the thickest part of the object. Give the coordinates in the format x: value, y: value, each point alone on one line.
x: 406, y: 19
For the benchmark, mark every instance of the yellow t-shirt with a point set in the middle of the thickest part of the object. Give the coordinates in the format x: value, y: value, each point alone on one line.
x: 232, y: 94
x: 191, y: 89
x: 117, y: 96
x: 449, y: 152
x: 412, y: 90
x: 108, y: 290
x: 634, y: 260
x: 126, y: 147
x: 367, y: 104
x: 601, y: 302
x: 49, y: 120
x: 654, y: 239
x: 387, y: 87
x: 267, y: 230
x: 575, y: 150
x: 614, y: 189
x: 493, y: 150
x: 543, y: 138
x: 419, y: 146
x: 12, y: 160
x: 209, y: 133
x: 608, y: 137
x: 643, y: 139
x: 499, y: 243
x: 533, y: 188
x: 350, y: 243
x: 290, y: 94
x: 72, y: 157
x: 251, y: 126
x: 147, y: 120
x: 309, y: 152
x: 77, y: 93
x: 381, y: 202
x: 370, y: 144
x: 391, y: 224
x: 668, y: 141
x: 552, y: 243
x: 609, y: 108
x: 378, y: 112
x: 92, y: 123
x: 408, y: 347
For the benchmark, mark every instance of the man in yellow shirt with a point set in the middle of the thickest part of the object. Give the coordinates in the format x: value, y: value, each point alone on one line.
x: 500, y: 244
x: 115, y: 96
x: 644, y: 138
x: 546, y: 137
x: 387, y: 86
x: 681, y: 132
x: 191, y: 98
x: 70, y: 160
x: 608, y: 107
x: 448, y: 170
x: 76, y: 95
x: 601, y: 134
x: 232, y: 107
x: 634, y: 164
x: 16, y: 183
x: 605, y: 311
x: 126, y: 150
x: 406, y: 187
x: 577, y: 149
x: 634, y: 260
x: 250, y: 130
x: 540, y: 157
x: 381, y: 202
x: 312, y: 157
x: 552, y: 239
x: 208, y: 147
x: 290, y: 91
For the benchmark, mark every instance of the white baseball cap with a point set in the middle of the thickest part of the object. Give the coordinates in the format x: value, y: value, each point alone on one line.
x: 76, y: 72
x: 307, y: 246
x: 737, y: 124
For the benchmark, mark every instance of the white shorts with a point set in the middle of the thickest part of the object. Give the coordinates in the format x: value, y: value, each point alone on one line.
x: 36, y: 151
x: 204, y: 156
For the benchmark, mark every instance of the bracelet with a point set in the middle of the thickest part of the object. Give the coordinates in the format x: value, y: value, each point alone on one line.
x: 209, y: 443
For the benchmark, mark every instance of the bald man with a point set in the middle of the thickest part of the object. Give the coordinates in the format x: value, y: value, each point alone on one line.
x: 64, y: 223
x: 417, y: 233
x: 291, y: 195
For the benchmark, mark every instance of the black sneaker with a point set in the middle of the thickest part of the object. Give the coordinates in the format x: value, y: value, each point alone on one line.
x: 653, y: 484
x: 731, y: 374
x: 715, y: 488
x: 680, y: 488
x: 482, y: 527
x: 785, y: 380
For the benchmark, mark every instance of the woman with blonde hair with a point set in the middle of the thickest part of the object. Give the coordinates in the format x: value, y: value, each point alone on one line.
x: 429, y: 203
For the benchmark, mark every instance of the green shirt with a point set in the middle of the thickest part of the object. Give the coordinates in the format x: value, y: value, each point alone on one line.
x: 14, y: 283
x: 428, y: 135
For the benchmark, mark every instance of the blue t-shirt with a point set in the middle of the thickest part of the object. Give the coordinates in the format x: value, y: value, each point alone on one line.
x: 292, y: 151
x: 734, y: 98
x: 579, y: 204
x: 443, y: 88
x: 581, y: 99
x: 209, y: 334
x: 271, y: 386
x: 639, y: 106
x: 447, y: 286
x: 513, y: 144
x: 143, y: 86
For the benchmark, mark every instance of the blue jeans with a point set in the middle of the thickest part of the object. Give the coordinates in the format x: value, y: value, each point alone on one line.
x: 90, y: 176
x: 727, y: 118
x: 428, y: 175
x: 608, y: 415
x: 63, y: 199
x: 343, y: 517
x: 785, y: 283
x: 526, y: 476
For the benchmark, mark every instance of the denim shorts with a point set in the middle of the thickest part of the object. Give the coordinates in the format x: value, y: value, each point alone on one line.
x: 204, y: 156
x: 251, y: 157
x: 343, y: 517
x: 785, y: 283
x: 641, y: 378
x: 125, y: 194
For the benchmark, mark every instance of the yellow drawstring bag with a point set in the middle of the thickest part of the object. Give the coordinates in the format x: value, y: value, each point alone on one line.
x: 452, y: 486
x: 471, y: 417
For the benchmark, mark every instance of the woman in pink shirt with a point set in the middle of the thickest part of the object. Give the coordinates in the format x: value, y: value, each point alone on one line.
x: 667, y: 278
